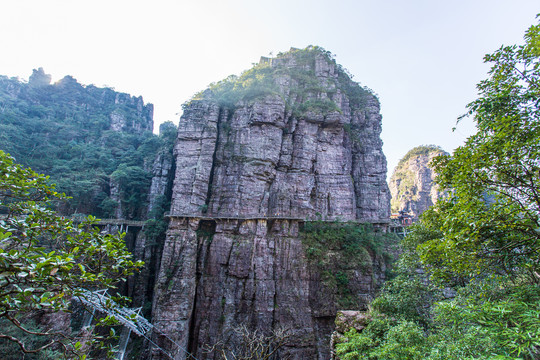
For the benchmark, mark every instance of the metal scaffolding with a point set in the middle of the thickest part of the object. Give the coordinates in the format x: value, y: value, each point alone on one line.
x: 131, y: 320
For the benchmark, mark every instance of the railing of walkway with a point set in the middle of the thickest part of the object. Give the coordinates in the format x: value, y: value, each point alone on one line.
x: 267, y: 217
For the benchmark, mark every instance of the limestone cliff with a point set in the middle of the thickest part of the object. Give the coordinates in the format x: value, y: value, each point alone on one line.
x: 291, y: 139
x: 412, y: 183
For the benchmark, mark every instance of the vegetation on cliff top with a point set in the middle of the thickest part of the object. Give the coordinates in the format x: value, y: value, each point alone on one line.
x: 480, y: 246
x: 296, y: 68
x: 421, y: 150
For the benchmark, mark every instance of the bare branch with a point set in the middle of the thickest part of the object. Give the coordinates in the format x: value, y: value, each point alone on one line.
x: 246, y: 344
x: 23, y: 347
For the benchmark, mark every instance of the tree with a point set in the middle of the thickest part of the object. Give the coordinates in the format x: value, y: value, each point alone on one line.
x: 47, y: 260
x: 491, y: 223
x: 481, y: 244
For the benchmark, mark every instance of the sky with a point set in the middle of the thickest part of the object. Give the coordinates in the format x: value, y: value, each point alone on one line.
x: 423, y: 58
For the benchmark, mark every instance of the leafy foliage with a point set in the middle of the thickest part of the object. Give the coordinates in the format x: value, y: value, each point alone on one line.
x: 45, y: 259
x: 406, y: 298
x: 383, y: 338
x: 481, y: 244
x: 489, y: 317
x: 486, y: 320
x: 491, y: 221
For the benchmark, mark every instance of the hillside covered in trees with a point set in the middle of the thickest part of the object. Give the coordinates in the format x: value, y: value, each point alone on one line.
x: 95, y: 143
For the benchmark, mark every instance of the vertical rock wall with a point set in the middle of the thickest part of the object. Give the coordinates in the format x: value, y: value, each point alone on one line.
x: 246, y: 177
x: 264, y: 166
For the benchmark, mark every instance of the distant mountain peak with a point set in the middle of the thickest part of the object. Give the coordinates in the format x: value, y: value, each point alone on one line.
x: 412, y: 183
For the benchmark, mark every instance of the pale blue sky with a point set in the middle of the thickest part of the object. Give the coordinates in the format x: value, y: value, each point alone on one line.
x: 423, y: 58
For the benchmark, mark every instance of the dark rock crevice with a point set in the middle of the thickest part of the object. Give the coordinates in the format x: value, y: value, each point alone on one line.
x: 205, y: 233
x: 214, y: 162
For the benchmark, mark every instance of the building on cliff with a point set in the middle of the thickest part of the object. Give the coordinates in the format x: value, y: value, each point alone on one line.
x: 256, y: 155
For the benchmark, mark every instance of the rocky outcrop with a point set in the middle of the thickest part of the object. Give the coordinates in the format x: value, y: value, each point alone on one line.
x: 39, y: 78
x: 261, y: 159
x: 345, y: 321
x: 115, y: 196
x: 292, y: 139
x: 412, y: 183
x: 120, y: 121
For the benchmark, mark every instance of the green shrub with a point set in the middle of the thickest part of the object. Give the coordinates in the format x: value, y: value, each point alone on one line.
x: 337, y: 249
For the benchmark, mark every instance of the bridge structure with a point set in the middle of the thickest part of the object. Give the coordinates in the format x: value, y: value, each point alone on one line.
x: 103, y: 222
x: 387, y: 225
x: 121, y: 223
x: 130, y: 319
x: 135, y: 223
x: 272, y: 217
x: 227, y: 217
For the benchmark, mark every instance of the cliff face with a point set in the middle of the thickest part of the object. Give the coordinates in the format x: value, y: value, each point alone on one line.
x: 300, y: 151
x: 291, y: 139
x: 412, y: 183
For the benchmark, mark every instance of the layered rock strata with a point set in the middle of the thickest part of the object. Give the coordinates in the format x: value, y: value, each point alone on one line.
x: 248, y: 173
